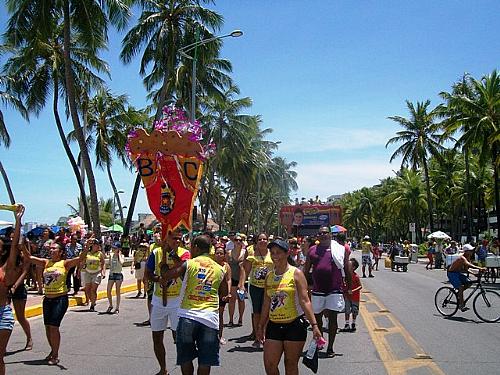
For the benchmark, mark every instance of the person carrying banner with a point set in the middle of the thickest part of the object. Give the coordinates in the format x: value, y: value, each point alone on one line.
x: 172, y: 255
x: 198, y: 328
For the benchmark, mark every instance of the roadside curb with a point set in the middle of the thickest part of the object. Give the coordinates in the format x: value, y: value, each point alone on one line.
x: 36, y: 310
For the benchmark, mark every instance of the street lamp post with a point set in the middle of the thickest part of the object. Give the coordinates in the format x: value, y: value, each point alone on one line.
x: 183, y: 52
x: 192, y: 116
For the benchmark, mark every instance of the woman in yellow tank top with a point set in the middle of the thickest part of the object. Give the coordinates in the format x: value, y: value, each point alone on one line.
x: 55, y: 302
x: 285, y: 302
x: 257, y: 266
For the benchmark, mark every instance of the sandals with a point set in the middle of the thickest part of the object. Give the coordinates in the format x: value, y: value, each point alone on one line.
x: 330, y: 353
x: 29, y: 345
x: 53, y: 361
x: 117, y: 311
x: 109, y: 310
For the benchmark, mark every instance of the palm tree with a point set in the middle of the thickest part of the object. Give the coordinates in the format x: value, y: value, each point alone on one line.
x: 109, y: 120
x: 408, y: 199
x: 90, y: 18
x: 39, y: 60
x: 228, y: 127
x: 477, y: 119
x: 8, y: 99
x: 160, y: 31
x: 419, y: 140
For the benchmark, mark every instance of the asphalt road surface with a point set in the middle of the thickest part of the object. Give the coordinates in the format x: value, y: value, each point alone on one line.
x: 400, y: 333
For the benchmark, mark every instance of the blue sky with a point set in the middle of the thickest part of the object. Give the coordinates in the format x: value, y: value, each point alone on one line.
x: 325, y: 75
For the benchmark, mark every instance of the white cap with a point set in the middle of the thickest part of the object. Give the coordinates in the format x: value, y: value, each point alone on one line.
x: 467, y: 247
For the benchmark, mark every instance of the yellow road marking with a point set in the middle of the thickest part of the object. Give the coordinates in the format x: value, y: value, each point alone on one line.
x: 379, y: 336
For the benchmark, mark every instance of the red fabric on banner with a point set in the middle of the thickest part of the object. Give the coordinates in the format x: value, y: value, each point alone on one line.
x: 174, y: 196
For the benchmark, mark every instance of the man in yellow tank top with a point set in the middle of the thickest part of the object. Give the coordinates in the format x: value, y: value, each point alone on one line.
x: 173, y: 255
x: 198, y: 328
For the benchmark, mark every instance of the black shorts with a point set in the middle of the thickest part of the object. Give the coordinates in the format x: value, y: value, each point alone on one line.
x: 257, y: 297
x: 293, y: 331
x: 20, y: 294
x: 54, y: 310
x: 234, y: 282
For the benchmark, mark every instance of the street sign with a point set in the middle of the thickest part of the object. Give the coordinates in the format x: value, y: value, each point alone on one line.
x: 412, y: 227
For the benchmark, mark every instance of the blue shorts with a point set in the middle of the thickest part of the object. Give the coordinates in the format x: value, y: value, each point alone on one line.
x: 458, y: 279
x: 6, y: 318
x: 195, y: 339
x: 115, y: 277
x: 54, y: 310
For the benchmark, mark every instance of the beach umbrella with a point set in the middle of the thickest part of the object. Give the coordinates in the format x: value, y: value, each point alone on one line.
x: 438, y: 235
x: 338, y: 229
x: 116, y: 228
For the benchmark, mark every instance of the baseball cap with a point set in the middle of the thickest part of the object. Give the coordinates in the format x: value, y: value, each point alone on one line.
x: 468, y: 247
x: 116, y: 245
x: 283, y: 245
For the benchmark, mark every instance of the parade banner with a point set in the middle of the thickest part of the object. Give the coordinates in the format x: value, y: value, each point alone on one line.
x: 306, y: 219
x: 170, y: 163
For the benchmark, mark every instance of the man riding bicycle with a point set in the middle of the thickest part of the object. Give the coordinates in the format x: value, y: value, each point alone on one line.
x: 457, y: 278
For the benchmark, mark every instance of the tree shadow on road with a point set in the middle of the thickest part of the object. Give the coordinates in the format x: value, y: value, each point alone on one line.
x: 37, y: 362
x: 244, y: 349
x: 14, y: 352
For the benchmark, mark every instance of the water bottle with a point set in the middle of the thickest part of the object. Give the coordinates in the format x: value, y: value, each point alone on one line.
x: 241, y: 294
x: 311, y: 350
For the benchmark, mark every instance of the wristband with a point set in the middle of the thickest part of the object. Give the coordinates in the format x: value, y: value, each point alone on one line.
x: 314, y: 324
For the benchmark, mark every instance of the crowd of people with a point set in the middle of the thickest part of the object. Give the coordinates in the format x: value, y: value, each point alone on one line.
x: 187, y: 282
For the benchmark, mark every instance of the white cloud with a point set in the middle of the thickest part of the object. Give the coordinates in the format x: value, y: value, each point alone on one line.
x: 317, y: 139
x: 325, y: 179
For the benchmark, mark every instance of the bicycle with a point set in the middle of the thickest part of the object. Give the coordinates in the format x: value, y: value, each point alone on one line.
x: 486, y: 303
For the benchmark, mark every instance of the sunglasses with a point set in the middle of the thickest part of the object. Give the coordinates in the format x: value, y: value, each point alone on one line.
x: 239, y: 240
x: 323, y: 233
x: 262, y: 239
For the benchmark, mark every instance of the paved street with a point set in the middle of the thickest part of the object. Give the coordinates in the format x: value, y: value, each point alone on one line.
x: 399, y: 312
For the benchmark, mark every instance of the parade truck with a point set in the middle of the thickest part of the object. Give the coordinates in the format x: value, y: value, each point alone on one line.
x: 305, y: 219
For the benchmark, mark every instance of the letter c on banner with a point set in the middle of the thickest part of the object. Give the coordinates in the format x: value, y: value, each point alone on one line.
x: 144, y: 167
x: 191, y: 170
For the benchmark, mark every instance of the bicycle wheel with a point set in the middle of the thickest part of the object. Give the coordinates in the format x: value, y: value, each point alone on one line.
x: 487, y: 306
x: 446, y: 301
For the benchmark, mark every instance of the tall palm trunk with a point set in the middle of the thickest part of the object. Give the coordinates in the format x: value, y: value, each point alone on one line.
x: 429, y: 196
x: 495, y: 176
x: 468, y: 194
x: 7, y: 184
x: 70, y: 89
x: 69, y: 154
x: 209, y: 195
x: 115, y: 194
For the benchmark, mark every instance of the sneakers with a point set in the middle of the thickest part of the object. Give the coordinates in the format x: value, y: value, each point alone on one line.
x: 346, y: 328
x: 353, y: 327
